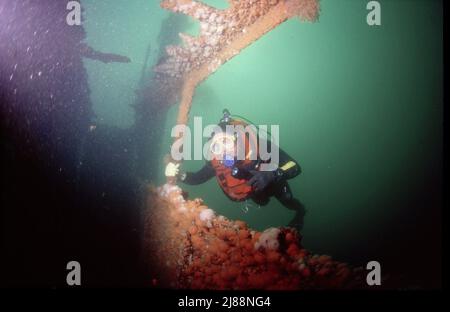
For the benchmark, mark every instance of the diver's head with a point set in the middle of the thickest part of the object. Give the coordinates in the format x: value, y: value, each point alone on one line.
x: 223, y: 144
x: 226, y: 118
x: 233, y: 143
x: 223, y: 147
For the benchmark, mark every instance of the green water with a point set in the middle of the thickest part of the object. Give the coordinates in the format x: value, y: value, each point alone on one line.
x: 359, y: 107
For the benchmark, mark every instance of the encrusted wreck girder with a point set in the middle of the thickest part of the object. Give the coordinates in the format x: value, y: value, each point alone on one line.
x: 223, y: 34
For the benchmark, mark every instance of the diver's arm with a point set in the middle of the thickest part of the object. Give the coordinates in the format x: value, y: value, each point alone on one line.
x: 288, y: 168
x: 199, y: 177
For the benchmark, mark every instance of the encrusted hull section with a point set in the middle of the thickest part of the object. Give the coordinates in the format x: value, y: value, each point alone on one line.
x: 190, y: 247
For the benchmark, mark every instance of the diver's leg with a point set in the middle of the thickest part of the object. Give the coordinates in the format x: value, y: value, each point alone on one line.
x: 284, y: 195
x: 261, y: 199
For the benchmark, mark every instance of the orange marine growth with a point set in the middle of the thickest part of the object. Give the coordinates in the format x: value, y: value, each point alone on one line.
x: 198, y: 249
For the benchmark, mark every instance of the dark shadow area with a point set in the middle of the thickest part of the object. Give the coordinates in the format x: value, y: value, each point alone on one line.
x: 72, y: 189
x: 67, y: 193
x: 409, y: 246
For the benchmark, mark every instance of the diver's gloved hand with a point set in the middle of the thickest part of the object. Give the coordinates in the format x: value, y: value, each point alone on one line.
x: 261, y: 179
x: 172, y: 169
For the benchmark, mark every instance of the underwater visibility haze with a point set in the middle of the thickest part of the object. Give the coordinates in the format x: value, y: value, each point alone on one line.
x: 87, y: 114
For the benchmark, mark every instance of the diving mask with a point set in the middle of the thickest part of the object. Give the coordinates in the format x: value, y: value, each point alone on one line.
x: 223, y: 148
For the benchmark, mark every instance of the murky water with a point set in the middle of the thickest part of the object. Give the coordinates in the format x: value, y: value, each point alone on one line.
x: 359, y: 107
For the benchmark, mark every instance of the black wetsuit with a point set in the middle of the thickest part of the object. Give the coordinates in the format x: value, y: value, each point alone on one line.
x: 278, y: 187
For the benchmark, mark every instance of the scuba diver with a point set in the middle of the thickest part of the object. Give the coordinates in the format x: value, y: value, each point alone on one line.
x: 241, y: 179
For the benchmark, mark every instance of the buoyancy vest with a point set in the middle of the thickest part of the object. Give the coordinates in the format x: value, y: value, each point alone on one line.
x: 236, y: 188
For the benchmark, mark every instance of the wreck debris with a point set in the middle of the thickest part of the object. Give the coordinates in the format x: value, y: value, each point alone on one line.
x: 89, y: 52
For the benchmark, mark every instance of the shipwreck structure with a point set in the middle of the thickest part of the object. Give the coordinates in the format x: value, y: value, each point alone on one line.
x: 223, y: 34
